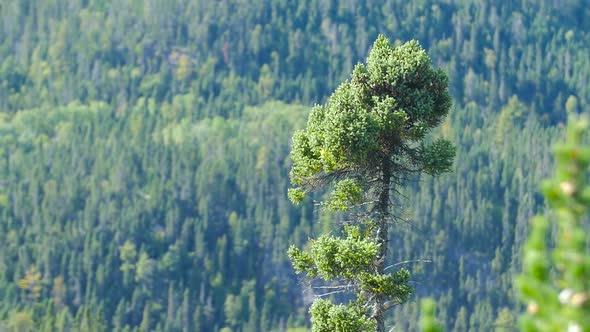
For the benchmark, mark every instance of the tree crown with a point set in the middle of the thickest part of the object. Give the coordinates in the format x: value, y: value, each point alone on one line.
x: 383, y: 112
x: 368, y: 136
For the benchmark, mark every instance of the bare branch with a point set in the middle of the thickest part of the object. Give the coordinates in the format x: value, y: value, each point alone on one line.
x: 331, y: 293
x: 334, y: 287
x: 390, y: 304
x: 407, y: 262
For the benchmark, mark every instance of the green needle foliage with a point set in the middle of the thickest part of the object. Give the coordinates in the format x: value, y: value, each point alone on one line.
x: 429, y: 322
x: 368, y: 137
x: 556, y: 281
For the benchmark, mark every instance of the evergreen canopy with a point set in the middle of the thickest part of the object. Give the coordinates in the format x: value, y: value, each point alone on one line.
x: 383, y: 112
x: 368, y: 136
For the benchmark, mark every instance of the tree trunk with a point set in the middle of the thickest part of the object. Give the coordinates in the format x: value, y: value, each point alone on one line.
x: 382, y: 239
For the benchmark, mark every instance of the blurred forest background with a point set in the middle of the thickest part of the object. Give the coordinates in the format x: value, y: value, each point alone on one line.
x: 144, y: 155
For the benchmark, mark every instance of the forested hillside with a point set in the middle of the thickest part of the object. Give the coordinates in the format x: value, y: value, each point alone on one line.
x: 144, y: 155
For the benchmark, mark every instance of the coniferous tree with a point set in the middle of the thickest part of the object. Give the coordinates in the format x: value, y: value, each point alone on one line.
x: 365, y: 141
x: 117, y: 128
x: 429, y: 323
x: 556, y: 281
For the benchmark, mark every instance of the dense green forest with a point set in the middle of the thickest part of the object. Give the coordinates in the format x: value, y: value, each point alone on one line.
x: 144, y: 155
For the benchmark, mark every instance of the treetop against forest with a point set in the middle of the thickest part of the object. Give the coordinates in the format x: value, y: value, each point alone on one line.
x: 364, y: 142
x: 142, y: 145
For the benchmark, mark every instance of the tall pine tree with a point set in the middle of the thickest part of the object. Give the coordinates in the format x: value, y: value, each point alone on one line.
x: 364, y: 142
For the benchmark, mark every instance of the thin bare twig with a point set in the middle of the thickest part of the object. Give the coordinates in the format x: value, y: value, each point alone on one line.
x: 330, y: 293
x: 407, y: 262
x: 334, y: 287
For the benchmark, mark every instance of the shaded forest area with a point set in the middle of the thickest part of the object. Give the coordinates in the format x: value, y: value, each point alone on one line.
x: 144, y: 155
